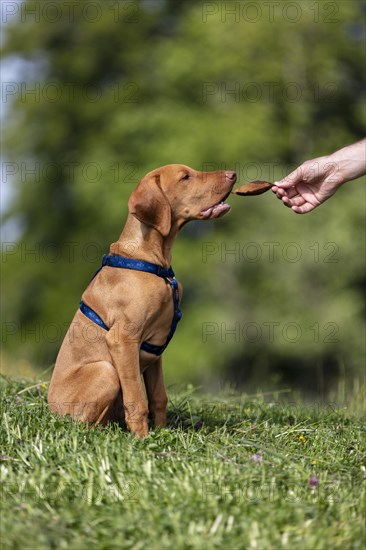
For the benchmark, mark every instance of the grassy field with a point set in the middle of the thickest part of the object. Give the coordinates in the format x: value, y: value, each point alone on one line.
x: 231, y: 472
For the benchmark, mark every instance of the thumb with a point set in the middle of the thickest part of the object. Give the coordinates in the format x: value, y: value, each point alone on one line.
x: 291, y: 180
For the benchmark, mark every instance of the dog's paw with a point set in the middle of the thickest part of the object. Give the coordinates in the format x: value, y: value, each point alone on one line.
x: 138, y: 429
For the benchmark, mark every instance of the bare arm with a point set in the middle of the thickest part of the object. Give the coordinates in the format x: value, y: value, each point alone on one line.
x: 316, y: 180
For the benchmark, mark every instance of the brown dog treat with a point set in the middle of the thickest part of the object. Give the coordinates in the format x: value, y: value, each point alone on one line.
x: 253, y: 188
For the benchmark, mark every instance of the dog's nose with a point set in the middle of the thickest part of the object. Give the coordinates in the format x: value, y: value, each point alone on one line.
x: 231, y: 176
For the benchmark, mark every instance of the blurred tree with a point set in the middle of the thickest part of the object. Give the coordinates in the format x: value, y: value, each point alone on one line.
x: 135, y: 85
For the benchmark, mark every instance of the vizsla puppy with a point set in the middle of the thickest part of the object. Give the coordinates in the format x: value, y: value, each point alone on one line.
x: 130, y: 308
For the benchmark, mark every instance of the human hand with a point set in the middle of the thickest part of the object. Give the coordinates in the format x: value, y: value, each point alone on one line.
x: 309, y: 185
x: 316, y: 180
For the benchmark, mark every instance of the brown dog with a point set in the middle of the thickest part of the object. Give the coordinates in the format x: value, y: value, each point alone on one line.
x: 97, y: 376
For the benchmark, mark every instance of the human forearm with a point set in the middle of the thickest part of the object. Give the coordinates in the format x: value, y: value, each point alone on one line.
x: 350, y: 161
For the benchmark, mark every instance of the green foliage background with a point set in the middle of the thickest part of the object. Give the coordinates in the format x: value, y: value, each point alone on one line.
x: 131, y: 97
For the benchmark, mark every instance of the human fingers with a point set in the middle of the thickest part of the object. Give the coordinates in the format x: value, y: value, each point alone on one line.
x: 297, y: 201
x: 286, y: 201
x: 278, y: 192
x: 304, y: 209
x: 291, y: 192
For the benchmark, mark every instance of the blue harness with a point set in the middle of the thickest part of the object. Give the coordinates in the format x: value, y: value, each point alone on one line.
x: 139, y: 265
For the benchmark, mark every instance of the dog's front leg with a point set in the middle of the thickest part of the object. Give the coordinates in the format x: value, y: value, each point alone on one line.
x: 156, y: 394
x: 125, y: 357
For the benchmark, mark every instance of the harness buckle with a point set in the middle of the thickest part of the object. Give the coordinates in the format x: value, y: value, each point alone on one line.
x: 172, y: 281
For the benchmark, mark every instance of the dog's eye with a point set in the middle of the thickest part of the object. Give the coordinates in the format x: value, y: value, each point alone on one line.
x: 185, y: 177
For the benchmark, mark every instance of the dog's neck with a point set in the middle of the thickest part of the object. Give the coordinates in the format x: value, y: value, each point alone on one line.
x: 142, y: 242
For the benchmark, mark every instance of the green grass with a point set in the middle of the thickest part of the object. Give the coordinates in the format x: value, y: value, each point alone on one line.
x: 230, y: 472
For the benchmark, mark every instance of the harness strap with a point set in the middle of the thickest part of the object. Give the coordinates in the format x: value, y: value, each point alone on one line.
x: 140, y: 265
x: 89, y: 312
x: 137, y: 265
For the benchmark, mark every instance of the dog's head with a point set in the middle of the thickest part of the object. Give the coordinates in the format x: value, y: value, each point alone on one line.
x: 175, y: 194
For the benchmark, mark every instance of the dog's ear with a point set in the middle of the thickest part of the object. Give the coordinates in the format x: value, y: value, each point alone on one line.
x: 149, y: 205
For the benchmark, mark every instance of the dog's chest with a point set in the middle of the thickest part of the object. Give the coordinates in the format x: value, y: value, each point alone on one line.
x: 161, y: 314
